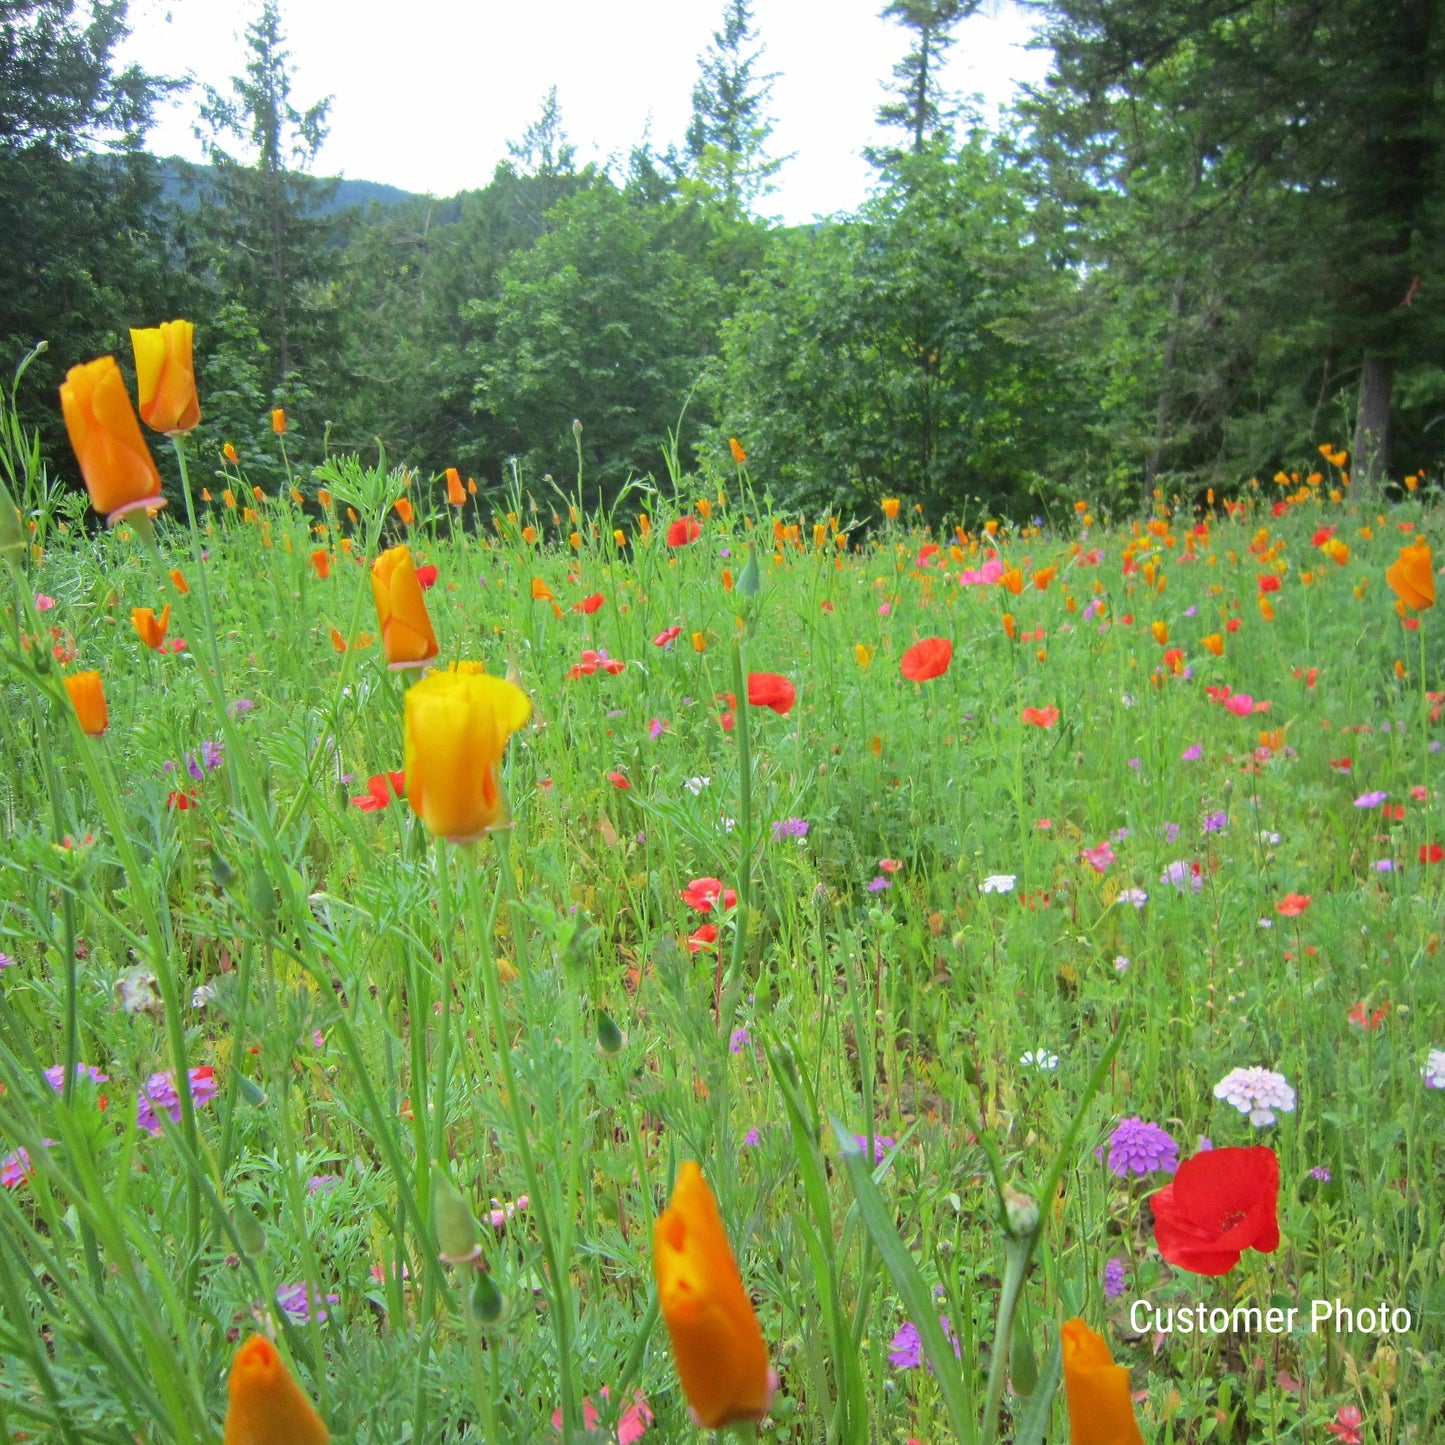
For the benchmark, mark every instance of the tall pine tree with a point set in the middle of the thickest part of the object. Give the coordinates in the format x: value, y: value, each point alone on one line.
x: 918, y: 106
x: 270, y: 245
x: 728, y: 135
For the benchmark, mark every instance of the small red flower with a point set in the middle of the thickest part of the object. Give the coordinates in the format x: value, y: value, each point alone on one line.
x: 684, y: 530
x: 705, y: 937
x: 589, y: 605
x: 380, y: 788
x: 1292, y: 905
x: 1041, y: 717
x: 1220, y: 1203
x: 426, y: 576
x: 180, y: 801
x: 1268, y: 582
x: 771, y: 689
x: 1341, y: 765
x: 1232, y: 625
x: 1367, y: 1019
x: 927, y: 659
x: 703, y: 894
x: 618, y: 780
x: 667, y: 635
x: 1431, y: 852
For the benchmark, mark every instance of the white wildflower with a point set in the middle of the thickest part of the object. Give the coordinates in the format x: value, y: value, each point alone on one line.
x: 1256, y: 1092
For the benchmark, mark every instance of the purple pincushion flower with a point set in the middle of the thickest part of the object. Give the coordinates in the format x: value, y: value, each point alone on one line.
x: 739, y: 1041
x: 1114, y: 1279
x: 298, y: 1301
x: 159, y: 1094
x: 1139, y: 1147
x: 790, y: 828
x: 55, y: 1075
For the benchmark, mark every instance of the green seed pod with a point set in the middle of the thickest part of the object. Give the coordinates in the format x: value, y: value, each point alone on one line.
x: 610, y: 1038
x: 485, y: 1302
x: 456, y: 1230
x: 249, y: 1232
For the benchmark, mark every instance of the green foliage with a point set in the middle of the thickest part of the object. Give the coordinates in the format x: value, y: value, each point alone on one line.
x: 599, y: 323
x: 919, y: 107
x: 900, y: 352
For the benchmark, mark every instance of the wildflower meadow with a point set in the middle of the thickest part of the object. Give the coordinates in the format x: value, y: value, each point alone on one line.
x: 505, y: 967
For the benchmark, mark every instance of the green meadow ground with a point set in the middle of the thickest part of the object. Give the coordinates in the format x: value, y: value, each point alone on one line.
x: 530, y: 1013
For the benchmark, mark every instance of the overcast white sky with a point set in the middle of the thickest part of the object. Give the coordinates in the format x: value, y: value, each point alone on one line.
x: 428, y: 92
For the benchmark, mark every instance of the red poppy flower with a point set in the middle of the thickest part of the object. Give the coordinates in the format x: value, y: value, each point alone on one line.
x: 669, y: 634
x: 1292, y: 905
x: 927, y: 659
x: 179, y: 800
x: 1219, y: 1204
x: 684, y: 530
x: 1041, y: 717
x: 1431, y: 852
x: 618, y: 780
x: 1268, y: 582
x: 1232, y: 625
x: 771, y: 689
x: 1367, y: 1019
x: 380, y: 788
x: 704, y: 893
x: 705, y: 937
x: 426, y: 576
x: 589, y: 605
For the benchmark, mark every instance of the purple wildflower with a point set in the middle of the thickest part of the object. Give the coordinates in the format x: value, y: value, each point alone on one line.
x: 323, y: 1183
x: 211, y: 754
x: 1138, y: 1147
x: 882, y: 1143
x: 790, y: 828
x: 656, y: 728
x: 1171, y: 832
x: 750, y: 1139
x: 1321, y: 1173
x: 905, y: 1350
x: 55, y: 1075
x: 6, y: 961
x: 1216, y: 822
x: 241, y: 706
x: 1384, y: 865
x: 194, y: 768
x: 1192, y: 755
x: 1371, y: 800
x: 1183, y: 875
x: 1114, y: 1279
x: 739, y: 1041
x: 160, y: 1094
x: 879, y: 884
x: 298, y: 1302
x: 17, y: 1166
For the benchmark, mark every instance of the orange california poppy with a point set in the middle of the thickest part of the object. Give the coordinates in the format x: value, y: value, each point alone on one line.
x: 1412, y: 576
x: 736, y: 448
x: 890, y: 506
x: 267, y: 1406
x: 927, y: 659
x: 456, y: 493
x: 114, y: 461
x: 87, y: 697
x: 1101, y: 1410
x: 407, y: 637
x: 165, y: 378
x: 149, y: 628
x: 717, y: 1344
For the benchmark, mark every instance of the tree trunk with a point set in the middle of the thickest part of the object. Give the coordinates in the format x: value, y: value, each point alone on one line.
x: 1372, y: 425
x: 1155, y: 460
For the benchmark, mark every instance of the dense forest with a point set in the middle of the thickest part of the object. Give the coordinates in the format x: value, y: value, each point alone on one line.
x: 1207, y: 245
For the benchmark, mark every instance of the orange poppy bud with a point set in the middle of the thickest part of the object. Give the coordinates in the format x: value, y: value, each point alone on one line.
x: 1266, y: 608
x: 1160, y: 631
x: 457, y: 726
x: 118, y: 471
x: 1043, y: 577
x: 267, y: 1405
x: 278, y: 421
x: 323, y: 498
x: 321, y: 561
x: 403, y: 509
x: 727, y: 579
x: 529, y: 535
x: 250, y: 514
x: 644, y: 525
x: 704, y: 509
x: 297, y: 497
x: 456, y: 493
x: 149, y: 628
x: 87, y: 697
x: 574, y: 540
x: 1101, y: 1410
x: 1214, y: 643
x: 1411, y: 577
x: 1013, y: 579
x: 229, y: 452
x: 337, y: 640
x: 205, y: 494
x: 890, y: 506
x: 1010, y: 627
x: 1071, y: 605
x: 406, y: 631
x: 178, y: 581
x: 541, y: 592
x: 699, y: 642
x: 863, y: 653
x: 717, y: 1345
x: 165, y: 379
x: 736, y: 448
x: 619, y: 537
x: 229, y: 498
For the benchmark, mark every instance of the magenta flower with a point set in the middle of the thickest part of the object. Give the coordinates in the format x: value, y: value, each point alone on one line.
x: 1371, y: 800
x: 160, y: 1094
x: 1099, y: 858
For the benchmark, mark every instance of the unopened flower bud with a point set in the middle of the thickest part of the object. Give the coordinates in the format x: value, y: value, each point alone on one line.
x: 456, y: 1230
x: 484, y: 1304
x: 1021, y: 1212
x: 249, y: 1232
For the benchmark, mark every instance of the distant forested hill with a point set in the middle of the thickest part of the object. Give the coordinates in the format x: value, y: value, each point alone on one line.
x: 176, y: 189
